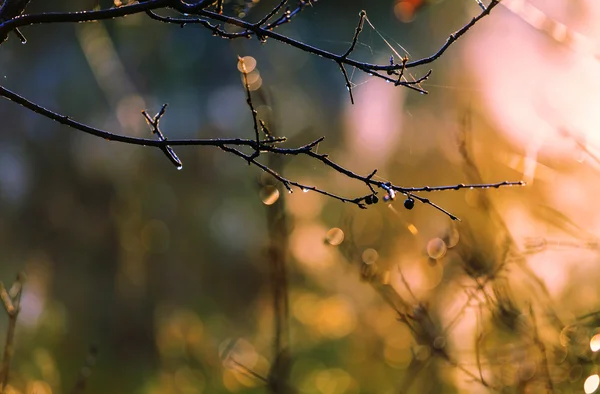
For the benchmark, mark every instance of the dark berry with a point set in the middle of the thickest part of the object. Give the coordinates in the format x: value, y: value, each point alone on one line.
x: 409, y: 203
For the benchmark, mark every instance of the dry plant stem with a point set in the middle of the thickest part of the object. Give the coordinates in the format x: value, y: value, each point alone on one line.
x: 11, y: 301
x: 538, y: 342
x: 496, y: 219
x: 478, y: 344
x: 423, y: 328
x: 278, y: 229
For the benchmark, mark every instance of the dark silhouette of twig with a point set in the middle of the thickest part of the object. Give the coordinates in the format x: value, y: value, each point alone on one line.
x: 208, y: 18
x: 154, y: 122
x: 210, y: 14
x: 542, y: 348
x: 11, y: 301
x: 266, y: 145
x: 278, y: 227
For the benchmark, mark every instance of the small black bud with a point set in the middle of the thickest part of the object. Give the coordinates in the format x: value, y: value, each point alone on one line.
x: 409, y: 203
x: 369, y: 200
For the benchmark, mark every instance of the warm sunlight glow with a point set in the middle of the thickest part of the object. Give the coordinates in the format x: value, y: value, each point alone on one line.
x: 38, y: 387
x: 595, y: 343
x: 591, y: 384
x: 413, y: 229
x: 335, y: 317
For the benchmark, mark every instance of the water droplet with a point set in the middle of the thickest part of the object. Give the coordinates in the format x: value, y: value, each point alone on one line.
x: 179, y: 167
x: 305, y: 190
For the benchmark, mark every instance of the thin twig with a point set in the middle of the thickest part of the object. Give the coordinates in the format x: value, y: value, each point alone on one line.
x: 250, y: 105
x: 200, y: 10
x: 257, y: 146
x: 154, y: 122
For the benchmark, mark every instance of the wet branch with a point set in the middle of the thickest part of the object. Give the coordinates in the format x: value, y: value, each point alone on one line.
x: 209, y: 14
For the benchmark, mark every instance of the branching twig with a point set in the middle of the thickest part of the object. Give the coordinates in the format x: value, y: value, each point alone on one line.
x: 204, y: 17
x: 251, y: 106
x: 262, y: 29
x: 154, y: 122
x: 267, y: 145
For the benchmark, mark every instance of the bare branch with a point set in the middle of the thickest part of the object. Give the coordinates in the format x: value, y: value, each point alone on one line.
x: 262, y: 32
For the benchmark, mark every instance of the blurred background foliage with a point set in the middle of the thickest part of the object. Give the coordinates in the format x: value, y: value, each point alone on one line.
x: 165, y: 272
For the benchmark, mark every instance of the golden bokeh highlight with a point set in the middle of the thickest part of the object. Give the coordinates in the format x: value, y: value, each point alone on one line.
x: 369, y: 256
x: 304, y: 308
x: 595, y: 343
x: 246, y: 64
x: 308, y: 248
x: 453, y: 238
x: 9, y: 389
x: 177, y: 330
x: 269, y: 194
x: 335, y: 317
x: 38, y: 387
x: 332, y: 317
x: 436, y: 248
x: 335, y: 236
x: 333, y: 381
x: 397, y: 351
x: 413, y: 229
x: 591, y: 384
